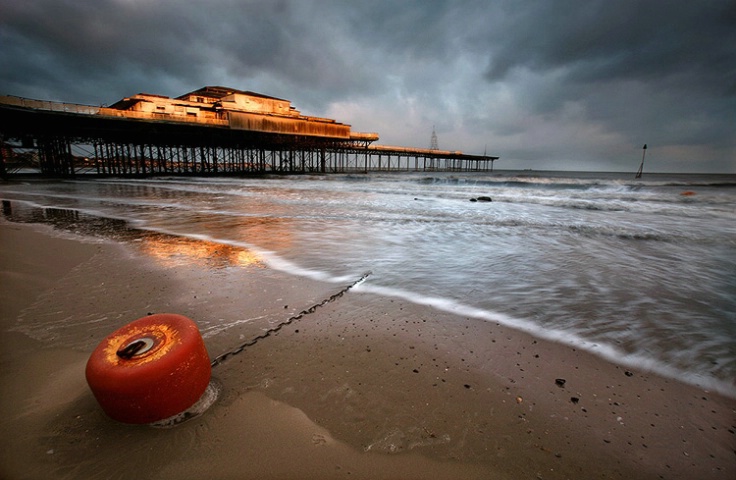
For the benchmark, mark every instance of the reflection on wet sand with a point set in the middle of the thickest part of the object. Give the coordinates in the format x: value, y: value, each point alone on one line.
x: 170, y: 251
x: 167, y: 250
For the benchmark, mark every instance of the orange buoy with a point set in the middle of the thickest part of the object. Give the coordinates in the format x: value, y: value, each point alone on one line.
x: 151, y: 369
x: 687, y: 193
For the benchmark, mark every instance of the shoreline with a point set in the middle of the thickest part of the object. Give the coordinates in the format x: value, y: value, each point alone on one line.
x: 606, y: 353
x: 365, y: 387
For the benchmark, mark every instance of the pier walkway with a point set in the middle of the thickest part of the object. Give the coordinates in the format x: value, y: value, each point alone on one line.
x: 213, y: 130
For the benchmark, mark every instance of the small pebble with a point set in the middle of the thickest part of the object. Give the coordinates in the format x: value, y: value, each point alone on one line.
x: 560, y: 382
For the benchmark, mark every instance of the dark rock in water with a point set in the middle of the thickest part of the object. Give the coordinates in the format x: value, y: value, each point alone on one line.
x: 473, y: 199
x: 485, y: 199
x: 560, y: 382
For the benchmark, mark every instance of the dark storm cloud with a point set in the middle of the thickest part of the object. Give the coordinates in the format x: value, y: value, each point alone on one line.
x: 617, y: 40
x: 542, y: 83
x: 660, y: 71
x: 685, y: 47
x: 131, y: 45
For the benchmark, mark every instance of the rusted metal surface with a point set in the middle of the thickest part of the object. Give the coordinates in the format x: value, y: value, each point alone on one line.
x: 287, y: 126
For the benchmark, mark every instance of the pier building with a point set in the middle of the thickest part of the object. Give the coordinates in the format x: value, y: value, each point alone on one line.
x: 212, y: 130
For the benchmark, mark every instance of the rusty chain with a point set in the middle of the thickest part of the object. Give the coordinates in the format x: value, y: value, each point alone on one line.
x: 221, y: 358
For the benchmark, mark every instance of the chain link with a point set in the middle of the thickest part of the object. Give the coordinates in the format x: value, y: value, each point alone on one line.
x: 221, y: 358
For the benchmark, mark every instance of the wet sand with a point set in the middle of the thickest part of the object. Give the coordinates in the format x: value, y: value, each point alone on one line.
x: 365, y: 387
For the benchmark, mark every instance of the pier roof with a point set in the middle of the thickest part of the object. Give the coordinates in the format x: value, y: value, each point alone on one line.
x: 220, y: 92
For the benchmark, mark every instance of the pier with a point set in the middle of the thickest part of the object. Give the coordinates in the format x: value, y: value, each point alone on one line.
x: 210, y: 131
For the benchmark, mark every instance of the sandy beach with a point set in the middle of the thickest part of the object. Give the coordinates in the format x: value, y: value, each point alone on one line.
x: 364, y: 387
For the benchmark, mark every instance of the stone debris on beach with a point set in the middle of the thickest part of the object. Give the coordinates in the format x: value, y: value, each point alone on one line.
x: 481, y: 199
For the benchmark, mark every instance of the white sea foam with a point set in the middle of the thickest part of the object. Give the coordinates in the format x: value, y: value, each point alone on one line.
x: 269, y: 257
x: 584, y: 260
x: 208, y: 398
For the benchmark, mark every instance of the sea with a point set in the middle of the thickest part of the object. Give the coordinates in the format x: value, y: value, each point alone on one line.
x: 641, y: 272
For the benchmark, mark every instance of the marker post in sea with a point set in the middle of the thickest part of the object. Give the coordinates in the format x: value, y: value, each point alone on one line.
x: 641, y: 166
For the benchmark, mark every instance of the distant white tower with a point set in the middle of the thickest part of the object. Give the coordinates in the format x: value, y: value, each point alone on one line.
x: 433, y: 143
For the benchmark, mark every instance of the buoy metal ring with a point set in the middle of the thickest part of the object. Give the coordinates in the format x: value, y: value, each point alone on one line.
x: 136, y: 348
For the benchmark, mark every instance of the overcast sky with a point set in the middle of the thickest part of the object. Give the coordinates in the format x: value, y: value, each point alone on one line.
x: 563, y: 84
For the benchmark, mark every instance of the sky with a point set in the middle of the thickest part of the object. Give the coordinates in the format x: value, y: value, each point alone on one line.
x: 545, y: 85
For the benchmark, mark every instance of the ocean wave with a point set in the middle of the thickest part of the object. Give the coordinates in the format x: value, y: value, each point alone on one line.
x: 579, y: 242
